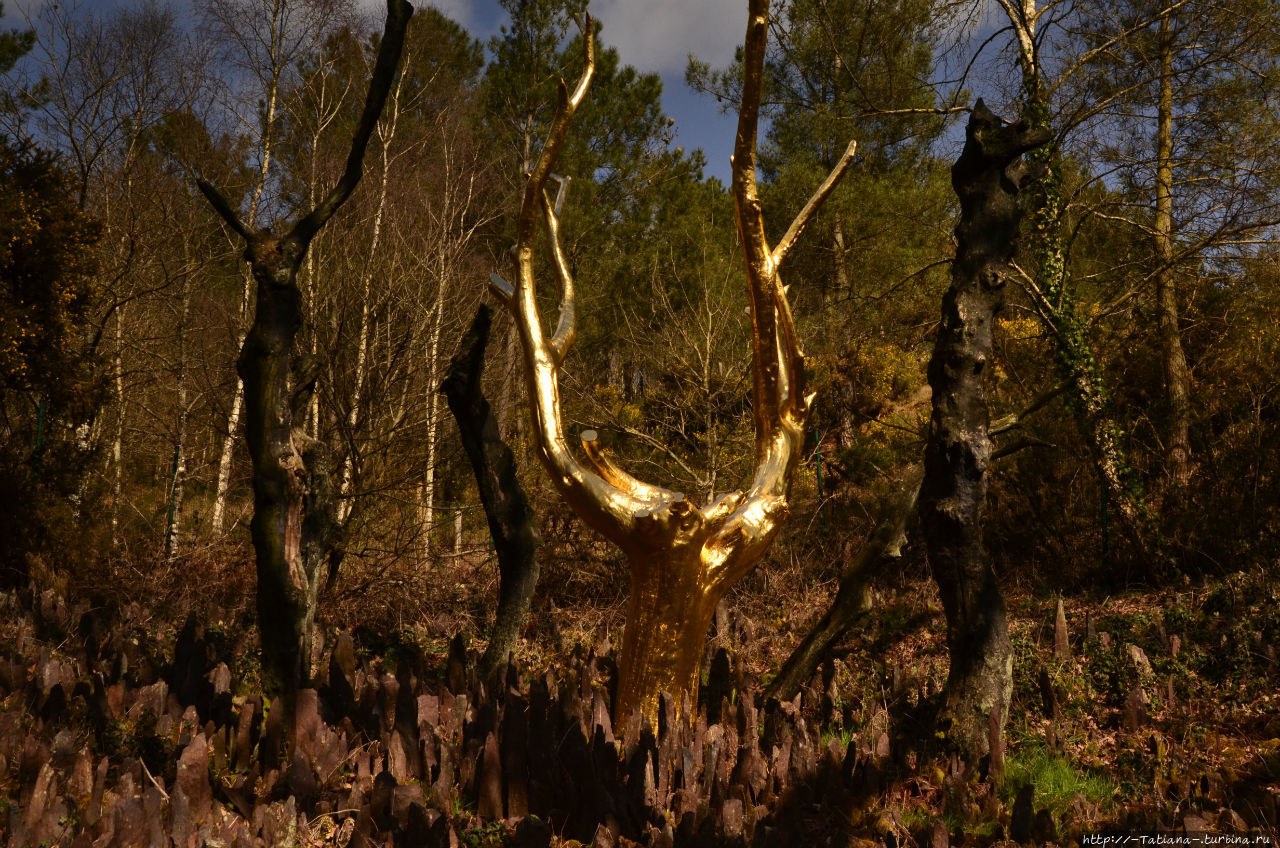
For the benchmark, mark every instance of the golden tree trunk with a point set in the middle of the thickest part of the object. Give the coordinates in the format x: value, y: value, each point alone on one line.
x: 668, y: 614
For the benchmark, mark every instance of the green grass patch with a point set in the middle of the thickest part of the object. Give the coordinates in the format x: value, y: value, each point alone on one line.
x: 1056, y: 780
x: 844, y: 735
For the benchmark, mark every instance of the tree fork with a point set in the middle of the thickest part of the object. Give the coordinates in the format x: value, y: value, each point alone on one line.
x: 294, y: 523
x: 986, y: 178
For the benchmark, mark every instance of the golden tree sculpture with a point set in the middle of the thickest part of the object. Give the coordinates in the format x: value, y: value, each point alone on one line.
x: 682, y: 557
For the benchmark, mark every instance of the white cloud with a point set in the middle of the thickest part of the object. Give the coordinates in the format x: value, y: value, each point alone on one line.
x: 659, y: 35
x: 651, y: 35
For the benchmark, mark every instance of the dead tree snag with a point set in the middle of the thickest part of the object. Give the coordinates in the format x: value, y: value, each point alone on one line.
x: 294, y: 506
x: 986, y: 177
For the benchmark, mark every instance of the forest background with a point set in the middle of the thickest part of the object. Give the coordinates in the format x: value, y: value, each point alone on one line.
x: 1134, y: 380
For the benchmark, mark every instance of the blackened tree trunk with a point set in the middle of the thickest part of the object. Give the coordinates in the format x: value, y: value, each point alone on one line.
x: 294, y: 518
x: 986, y: 177
x: 294, y: 508
x: 505, y: 505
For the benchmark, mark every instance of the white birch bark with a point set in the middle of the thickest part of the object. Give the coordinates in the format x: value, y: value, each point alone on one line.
x: 117, y: 441
x: 386, y: 134
x: 265, y: 149
x: 177, y: 482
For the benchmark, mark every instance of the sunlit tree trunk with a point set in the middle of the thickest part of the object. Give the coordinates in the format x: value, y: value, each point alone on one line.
x: 223, y: 484
x: 844, y: 283
x: 423, y: 519
x: 449, y: 213
x: 386, y: 135
x: 178, y: 479
x: 265, y: 152
x: 433, y: 425
x: 1172, y: 357
x: 117, y: 441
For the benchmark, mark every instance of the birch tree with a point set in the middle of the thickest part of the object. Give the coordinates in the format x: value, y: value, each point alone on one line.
x: 262, y: 42
x: 93, y: 89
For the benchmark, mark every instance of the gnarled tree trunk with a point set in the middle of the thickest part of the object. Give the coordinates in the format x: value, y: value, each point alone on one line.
x: 986, y: 177
x: 292, y: 516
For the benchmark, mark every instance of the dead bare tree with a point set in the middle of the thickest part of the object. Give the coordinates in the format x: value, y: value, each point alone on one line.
x: 505, y: 505
x: 682, y: 558
x: 294, y: 521
x: 953, y: 493
x: 852, y: 604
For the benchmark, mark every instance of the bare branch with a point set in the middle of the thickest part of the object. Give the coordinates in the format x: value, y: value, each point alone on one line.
x: 567, y: 328
x: 791, y: 388
x: 762, y: 278
x: 824, y: 190
x: 384, y: 74
x: 1089, y: 55
x: 1024, y: 28
x: 746, y: 536
x: 1013, y: 420
x: 501, y: 289
x: 561, y: 192
x: 1018, y: 445
x: 607, y: 499
x: 656, y: 496
x: 778, y: 400
x: 220, y: 205
x: 745, y: 192
x: 566, y: 105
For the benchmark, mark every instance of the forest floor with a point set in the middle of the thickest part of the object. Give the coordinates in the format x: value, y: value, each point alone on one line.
x: 1136, y: 714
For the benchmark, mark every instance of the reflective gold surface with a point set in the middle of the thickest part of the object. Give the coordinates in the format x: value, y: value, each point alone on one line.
x: 682, y: 557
